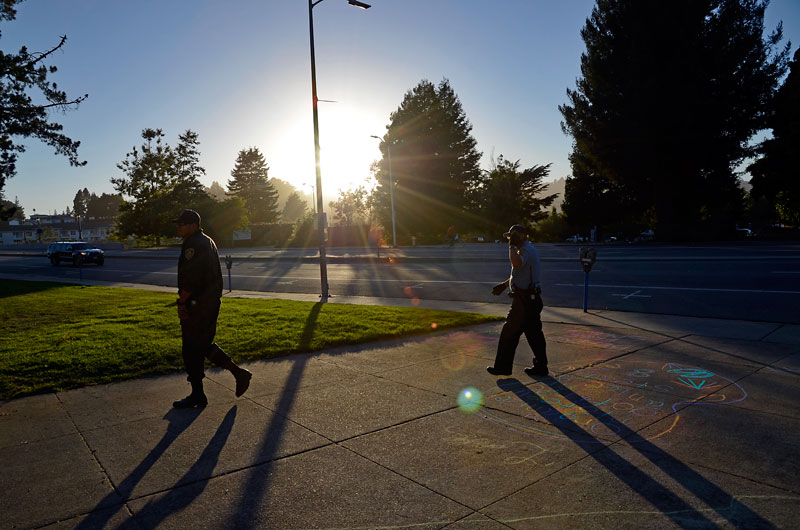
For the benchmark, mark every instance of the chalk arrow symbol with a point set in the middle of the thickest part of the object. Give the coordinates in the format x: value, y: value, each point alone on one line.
x: 691, y: 383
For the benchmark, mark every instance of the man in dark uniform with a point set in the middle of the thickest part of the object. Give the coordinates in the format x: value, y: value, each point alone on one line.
x: 199, y: 291
x: 526, y: 306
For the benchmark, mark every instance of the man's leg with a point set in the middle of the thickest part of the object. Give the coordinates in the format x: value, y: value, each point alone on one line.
x: 535, y: 336
x: 193, y: 359
x: 509, y: 337
x: 217, y: 355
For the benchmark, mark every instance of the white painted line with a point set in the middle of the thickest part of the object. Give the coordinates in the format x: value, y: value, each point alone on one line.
x: 634, y: 294
x: 570, y: 270
x: 418, y: 286
x: 316, y: 278
x: 712, y: 289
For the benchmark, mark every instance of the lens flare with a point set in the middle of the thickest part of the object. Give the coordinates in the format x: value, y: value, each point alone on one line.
x: 408, y: 291
x: 470, y: 399
x: 433, y: 325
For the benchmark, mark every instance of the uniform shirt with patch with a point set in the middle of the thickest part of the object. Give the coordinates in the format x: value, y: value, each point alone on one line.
x: 527, y: 276
x: 199, y: 271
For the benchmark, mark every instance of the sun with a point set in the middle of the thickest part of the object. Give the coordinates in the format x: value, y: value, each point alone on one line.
x: 347, y: 149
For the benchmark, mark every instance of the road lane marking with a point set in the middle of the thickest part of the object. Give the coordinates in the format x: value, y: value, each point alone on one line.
x: 712, y: 289
x: 633, y: 294
x: 313, y: 278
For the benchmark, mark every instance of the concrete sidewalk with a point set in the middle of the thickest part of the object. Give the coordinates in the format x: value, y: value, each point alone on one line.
x: 651, y: 421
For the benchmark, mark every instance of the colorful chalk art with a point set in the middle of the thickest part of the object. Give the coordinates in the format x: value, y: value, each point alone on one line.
x: 600, y: 403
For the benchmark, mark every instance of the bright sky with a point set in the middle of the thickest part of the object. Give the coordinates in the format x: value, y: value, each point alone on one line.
x: 238, y: 73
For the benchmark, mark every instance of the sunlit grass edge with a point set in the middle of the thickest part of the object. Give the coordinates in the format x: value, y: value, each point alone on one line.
x: 59, y: 336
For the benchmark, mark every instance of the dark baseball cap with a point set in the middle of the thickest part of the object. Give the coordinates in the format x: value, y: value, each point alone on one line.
x: 187, y: 217
x: 516, y: 228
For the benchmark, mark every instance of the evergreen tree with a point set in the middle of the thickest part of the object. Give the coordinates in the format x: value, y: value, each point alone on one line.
x: 106, y: 206
x: 776, y: 175
x: 20, y: 117
x: 80, y: 202
x: 507, y: 196
x: 250, y: 182
x: 670, y: 95
x: 294, y: 209
x: 434, y: 162
x: 188, y: 189
x: 216, y: 191
x: 158, y: 183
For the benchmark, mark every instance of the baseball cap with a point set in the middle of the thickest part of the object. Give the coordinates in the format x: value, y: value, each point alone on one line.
x: 516, y: 228
x: 187, y: 217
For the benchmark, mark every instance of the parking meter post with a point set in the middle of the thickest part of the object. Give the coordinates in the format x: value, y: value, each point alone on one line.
x: 586, y: 293
x: 587, y: 257
x: 228, y: 264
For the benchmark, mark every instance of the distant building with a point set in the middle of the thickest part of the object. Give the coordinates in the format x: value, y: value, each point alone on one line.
x: 55, y: 228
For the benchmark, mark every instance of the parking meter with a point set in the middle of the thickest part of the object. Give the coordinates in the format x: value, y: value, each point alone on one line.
x: 588, y: 257
x: 229, y: 264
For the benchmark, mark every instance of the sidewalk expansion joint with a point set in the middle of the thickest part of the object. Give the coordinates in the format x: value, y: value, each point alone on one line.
x: 93, y: 453
x: 780, y: 326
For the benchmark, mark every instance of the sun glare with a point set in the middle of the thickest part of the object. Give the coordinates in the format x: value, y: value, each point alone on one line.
x: 346, y: 148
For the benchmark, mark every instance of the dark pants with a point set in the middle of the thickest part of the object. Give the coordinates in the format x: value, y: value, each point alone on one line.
x: 523, y: 317
x: 198, y: 333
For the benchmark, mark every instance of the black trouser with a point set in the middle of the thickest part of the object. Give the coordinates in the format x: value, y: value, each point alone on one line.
x: 198, y: 333
x: 523, y: 317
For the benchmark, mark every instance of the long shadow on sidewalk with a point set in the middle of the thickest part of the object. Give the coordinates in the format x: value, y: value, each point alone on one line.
x: 254, y: 492
x: 154, y: 512
x: 678, y: 510
x: 178, y: 421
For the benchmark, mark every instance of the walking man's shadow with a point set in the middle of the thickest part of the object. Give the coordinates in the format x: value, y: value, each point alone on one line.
x: 674, y: 507
x: 179, y: 421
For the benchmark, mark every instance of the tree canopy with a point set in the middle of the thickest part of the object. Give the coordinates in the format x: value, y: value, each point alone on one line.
x: 776, y: 175
x: 434, y: 161
x: 507, y: 195
x: 21, y: 74
x: 250, y: 181
x: 670, y: 95
x: 351, y: 207
x: 294, y: 209
x: 157, y: 183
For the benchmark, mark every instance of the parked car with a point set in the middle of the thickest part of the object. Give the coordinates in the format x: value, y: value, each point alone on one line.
x: 76, y: 252
x: 575, y: 239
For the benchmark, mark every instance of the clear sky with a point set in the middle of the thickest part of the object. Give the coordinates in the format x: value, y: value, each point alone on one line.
x: 238, y: 73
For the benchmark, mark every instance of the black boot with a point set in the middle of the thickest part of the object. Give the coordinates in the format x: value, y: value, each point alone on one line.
x: 218, y: 356
x: 196, y: 399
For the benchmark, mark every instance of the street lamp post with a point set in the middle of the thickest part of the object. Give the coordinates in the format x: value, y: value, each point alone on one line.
x: 391, y: 190
x: 323, y: 267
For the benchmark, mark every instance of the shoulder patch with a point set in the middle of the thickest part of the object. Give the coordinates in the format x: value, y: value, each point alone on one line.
x: 188, y: 253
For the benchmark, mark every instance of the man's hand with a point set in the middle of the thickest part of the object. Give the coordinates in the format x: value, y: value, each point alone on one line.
x: 498, y: 289
x: 183, y: 313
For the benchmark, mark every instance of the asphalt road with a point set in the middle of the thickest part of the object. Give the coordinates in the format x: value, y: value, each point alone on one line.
x: 738, y: 281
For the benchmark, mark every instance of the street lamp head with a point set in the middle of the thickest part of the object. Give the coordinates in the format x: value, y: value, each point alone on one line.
x: 356, y: 3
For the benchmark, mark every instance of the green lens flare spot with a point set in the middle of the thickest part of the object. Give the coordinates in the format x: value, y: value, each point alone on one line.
x: 470, y: 399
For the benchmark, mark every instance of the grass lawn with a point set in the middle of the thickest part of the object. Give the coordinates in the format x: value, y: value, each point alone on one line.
x: 56, y: 336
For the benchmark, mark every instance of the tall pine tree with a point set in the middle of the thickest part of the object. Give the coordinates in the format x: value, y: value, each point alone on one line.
x: 250, y: 182
x: 157, y: 183
x: 776, y: 175
x: 434, y: 162
x: 670, y: 95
